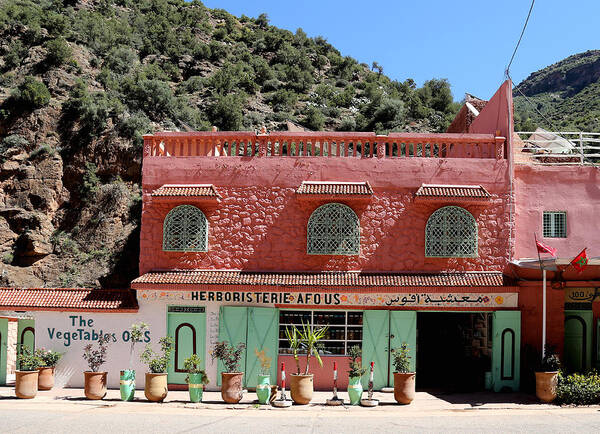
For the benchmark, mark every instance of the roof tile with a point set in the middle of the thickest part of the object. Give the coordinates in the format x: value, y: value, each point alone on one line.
x: 335, y: 188
x: 430, y: 191
x: 67, y: 299
x: 193, y: 190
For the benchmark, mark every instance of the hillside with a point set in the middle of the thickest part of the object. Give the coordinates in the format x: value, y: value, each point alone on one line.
x: 567, y: 93
x: 81, y: 81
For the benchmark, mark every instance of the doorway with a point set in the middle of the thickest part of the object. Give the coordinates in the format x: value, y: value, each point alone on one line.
x: 187, y: 326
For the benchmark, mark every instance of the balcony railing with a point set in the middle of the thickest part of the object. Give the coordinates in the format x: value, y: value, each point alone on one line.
x: 557, y: 148
x: 324, y: 144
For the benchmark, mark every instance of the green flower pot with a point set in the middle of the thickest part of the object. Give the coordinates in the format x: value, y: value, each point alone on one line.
x: 196, y: 387
x: 263, y: 389
x: 127, y: 385
x: 355, y: 390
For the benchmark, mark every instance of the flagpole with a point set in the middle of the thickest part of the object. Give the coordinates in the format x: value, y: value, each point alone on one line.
x: 543, y: 298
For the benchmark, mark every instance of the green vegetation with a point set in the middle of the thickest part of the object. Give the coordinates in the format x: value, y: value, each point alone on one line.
x: 31, y: 94
x: 578, y: 389
x: 58, y: 51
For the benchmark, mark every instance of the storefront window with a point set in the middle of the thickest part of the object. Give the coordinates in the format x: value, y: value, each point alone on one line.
x: 345, y: 328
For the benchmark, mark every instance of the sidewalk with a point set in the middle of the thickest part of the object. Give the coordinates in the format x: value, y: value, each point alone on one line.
x: 424, y: 401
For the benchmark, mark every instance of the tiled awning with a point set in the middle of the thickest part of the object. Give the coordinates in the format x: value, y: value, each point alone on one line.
x: 333, y: 188
x: 205, y: 191
x: 323, y: 279
x: 68, y: 299
x: 475, y: 193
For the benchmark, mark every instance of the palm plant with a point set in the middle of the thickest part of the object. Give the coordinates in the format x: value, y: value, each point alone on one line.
x: 306, y: 338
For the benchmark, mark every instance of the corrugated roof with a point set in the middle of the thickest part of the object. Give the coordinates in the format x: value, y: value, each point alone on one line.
x: 453, y: 191
x: 335, y: 188
x: 68, y: 299
x: 217, y: 277
x: 195, y: 190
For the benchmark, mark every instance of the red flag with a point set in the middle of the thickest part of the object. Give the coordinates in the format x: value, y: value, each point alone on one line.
x: 580, y: 261
x: 544, y: 248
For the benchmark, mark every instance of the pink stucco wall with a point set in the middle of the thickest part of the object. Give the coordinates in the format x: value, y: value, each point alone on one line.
x: 260, y: 223
x: 574, y: 189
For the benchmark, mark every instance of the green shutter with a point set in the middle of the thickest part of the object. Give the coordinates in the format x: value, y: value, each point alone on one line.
x: 263, y: 334
x: 375, y: 345
x: 403, y: 329
x: 578, y: 340
x: 3, y: 344
x: 506, y: 350
x: 183, y: 324
x: 233, y: 325
x: 25, y: 335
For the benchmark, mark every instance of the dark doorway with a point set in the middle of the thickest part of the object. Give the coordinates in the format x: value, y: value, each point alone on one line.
x: 453, y: 351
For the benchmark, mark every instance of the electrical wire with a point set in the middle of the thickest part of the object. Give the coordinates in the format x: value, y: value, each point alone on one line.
x: 520, y: 37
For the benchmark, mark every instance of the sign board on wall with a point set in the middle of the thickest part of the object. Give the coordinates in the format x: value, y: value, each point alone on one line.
x: 341, y: 299
x: 581, y: 295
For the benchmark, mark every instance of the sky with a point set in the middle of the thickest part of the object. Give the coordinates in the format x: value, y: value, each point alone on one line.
x: 469, y: 42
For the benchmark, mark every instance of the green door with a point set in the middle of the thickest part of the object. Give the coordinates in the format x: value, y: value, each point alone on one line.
x: 403, y: 329
x: 233, y: 327
x: 25, y: 335
x: 187, y: 326
x: 3, y: 345
x: 376, y: 344
x: 506, y: 350
x: 578, y: 340
x: 263, y: 334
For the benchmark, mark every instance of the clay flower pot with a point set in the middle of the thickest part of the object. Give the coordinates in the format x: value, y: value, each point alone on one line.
x: 404, y: 387
x: 301, y: 388
x: 95, y: 385
x: 545, y: 385
x: 155, y: 388
x: 231, y: 387
x: 26, y: 384
x: 46, y: 378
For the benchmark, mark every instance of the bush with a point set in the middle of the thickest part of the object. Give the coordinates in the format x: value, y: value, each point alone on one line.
x: 283, y: 99
x: 96, y: 358
x: 402, y: 359
x: 134, y: 127
x: 229, y: 355
x: 120, y: 59
x: 43, y: 149
x: 13, y: 141
x: 226, y: 112
x: 578, y: 389
x: 58, y: 51
x: 16, y: 53
x: 314, y: 119
x: 89, y: 185
x: 31, y: 94
x: 158, y: 362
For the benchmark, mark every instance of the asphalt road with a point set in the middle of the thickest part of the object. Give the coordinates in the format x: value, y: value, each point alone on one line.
x: 89, y: 418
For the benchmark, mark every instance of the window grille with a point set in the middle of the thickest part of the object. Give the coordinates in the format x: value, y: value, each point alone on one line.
x: 333, y: 229
x: 451, y: 232
x: 555, y: 224
x: 185, y: 230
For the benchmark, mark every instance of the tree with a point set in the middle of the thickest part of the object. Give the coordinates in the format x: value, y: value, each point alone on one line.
x: 378, y: 67
x: 31, y: 94
x: 262, y: 21
x: 58, y: 51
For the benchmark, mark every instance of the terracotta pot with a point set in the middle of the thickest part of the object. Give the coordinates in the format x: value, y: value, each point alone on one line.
x: 231, y: 387
x: 404, y: 387
x: 26, y: 384
x: 155, y: 388
x: 301, y: 388
x: 95, y: 385
x: 46, y: 378
x: 545, y: 385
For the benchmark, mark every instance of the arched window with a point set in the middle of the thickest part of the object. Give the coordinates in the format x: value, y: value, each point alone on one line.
x: 451, y: 232
x: 185, y: 230
x: 333, y: 229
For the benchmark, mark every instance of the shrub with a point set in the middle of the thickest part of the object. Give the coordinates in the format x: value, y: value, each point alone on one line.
x: 192, y: 365
x: 96, y: 358
x: 43, y: 149
x: 49, y: 358
x: 28, y: 360
x: 402, y: 359
x: 134, y: 127
x: 578, y: 389
x: 314, y: 119
x: 283, y: 99
x: 120, y: 59
x: 8, y: 258
x: 136, y: 333
x: 58, y: 51
x: 14, y: 141
x: 229, y: 355
x: 264, y: 360
x: 89, y: 184
x: 16, y: 53
x: 550, y: 362
x: 158, y: 363
x: 31, y: 94
x: 354, y: 354
x: 226, y: 112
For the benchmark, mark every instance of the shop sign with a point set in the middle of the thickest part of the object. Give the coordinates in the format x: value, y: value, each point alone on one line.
x: 330, y: 298
x: 581, y: 295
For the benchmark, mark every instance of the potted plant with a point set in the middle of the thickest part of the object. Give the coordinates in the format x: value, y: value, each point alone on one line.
x: 49, y: 360
x: 355, y: 373
x: 155, y: 388
x: 307, y: 338
x: 263, y: 386
x: 196, y: 377
x: 546, y: 377
x: 231, y: 378
x: 26, y: 378
x: 404, y: 379
x: 95, y: 381
x: 127, y: 378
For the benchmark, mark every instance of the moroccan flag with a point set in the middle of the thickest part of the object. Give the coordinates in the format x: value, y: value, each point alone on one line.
x: 580, y: 261
x: 544, y: 248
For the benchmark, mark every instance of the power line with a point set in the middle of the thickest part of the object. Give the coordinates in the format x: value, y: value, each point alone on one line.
x: 534, y: 106
x: 520, y: 37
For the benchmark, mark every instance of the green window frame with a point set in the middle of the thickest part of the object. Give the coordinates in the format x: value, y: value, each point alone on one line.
x: 451, y: 232
x: 554, y: 224
x: 185, y: 229
x: 333, y: 229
